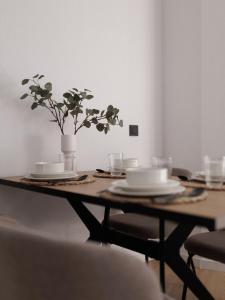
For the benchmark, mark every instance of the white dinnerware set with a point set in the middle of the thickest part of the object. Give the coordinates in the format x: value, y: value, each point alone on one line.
x: 50, y: 171
x: 146, y: 182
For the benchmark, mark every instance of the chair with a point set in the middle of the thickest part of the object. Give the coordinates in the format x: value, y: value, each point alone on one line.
x: 38, y: 267
x: 144, y: 227
x: 210, y: 245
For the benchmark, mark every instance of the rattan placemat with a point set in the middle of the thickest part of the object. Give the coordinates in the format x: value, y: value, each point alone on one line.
x: 181, y: 198
x: 198, y: 184
x: 106, y: 175
x: 89, y: 179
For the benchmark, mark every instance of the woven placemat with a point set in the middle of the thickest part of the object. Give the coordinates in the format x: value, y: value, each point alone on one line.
x: 106, y: 175
x: 181, y: 199
x: 198, y: 184
x: 89, y: 179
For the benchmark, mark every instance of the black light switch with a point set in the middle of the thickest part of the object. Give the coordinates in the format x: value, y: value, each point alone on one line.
x: 133, y: 130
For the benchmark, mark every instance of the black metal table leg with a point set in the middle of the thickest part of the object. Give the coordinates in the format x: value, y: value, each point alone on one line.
x: 93, y: 225
x: 179, y: 266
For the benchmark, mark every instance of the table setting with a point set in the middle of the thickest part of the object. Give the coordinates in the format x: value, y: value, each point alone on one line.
x: 54, y: 173
x: 155, y: 184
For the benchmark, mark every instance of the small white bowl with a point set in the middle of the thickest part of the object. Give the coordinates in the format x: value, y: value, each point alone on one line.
x: 49, y: 168
x: 147, y: 176
x: 130, y: 163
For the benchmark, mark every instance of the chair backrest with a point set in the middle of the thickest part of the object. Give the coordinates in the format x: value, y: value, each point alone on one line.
x: 37, y: 267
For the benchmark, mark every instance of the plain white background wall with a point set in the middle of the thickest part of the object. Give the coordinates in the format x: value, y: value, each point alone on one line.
x: 182, y: 82
x: 111, y: 47
x: 194, y: 80
x: 213, y: 77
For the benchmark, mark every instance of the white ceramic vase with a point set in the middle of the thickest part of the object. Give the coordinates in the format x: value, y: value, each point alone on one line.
x: 69, y: 149
x: 68, y: 143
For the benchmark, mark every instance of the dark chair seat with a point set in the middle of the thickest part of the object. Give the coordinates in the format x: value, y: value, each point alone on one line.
x: 210, y: 245
x: 141, y: 226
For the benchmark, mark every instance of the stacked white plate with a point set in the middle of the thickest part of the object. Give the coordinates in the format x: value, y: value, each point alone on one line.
x: 52, y: 176
x: 121, y: 187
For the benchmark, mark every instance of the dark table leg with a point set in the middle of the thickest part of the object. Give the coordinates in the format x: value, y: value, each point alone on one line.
x: 93, y: 225
x: 178, y: 265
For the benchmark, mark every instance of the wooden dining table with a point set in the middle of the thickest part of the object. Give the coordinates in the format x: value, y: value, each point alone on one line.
x: 209, y: 213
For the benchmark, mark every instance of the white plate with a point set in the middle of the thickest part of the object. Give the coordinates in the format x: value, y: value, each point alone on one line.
x: 119, y: 191
x: 126, y: 187
x: 51, y: 178
x: 52, y: 175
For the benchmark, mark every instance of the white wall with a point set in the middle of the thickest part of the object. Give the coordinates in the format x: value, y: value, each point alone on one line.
x: 213, y: 77
x: 110, y: 47
x: 194, y: 80
x: 182, y: 81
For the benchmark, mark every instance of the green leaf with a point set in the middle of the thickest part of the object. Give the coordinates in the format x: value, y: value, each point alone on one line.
x: 89, y: 97
x: 34, y: 105
x: 116, y: 111
x: 102, y: 113
x: 109, y: 114
x: 35, y: 76
x: 24, y: 81
x: 87, y: 124
x: 76, y: 97
x: 44, y: 93
x: 75, y: 89
x: 24, y: 96
x: 60, y: 105
x: 41, y: 76
x: 100, y: 126
x: 110, y: 108
x: 83, y: 94
x: 48, y: 86
x: 113, y: 122
x: 66, y: 95
x: 94, y: 120
x: 86, y: 90
x: 121, y: 123
x: 34, y: 88
x: 95, y: 111
x: 106, y: 129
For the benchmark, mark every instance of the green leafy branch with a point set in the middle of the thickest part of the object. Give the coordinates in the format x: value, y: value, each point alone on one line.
x: 72, y: 105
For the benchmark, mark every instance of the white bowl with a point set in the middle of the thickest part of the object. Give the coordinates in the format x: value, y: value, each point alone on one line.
x: 147, y: 176
x: 130, y: 163
x: 49, y: 168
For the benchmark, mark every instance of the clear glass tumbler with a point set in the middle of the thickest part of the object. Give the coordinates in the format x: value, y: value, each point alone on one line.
x: 163, y: 162
x: 115, y: 163
x: 214, y: 172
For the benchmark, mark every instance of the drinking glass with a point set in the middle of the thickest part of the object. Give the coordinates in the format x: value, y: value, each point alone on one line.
x: 162, y: 162
x: 115, y: 163
x: 70, y: 161
x: 214, y: 172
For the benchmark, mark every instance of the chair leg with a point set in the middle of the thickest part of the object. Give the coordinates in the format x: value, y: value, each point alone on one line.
x: 146, y: 259
x: 190, y: 264
x: 193, y: 265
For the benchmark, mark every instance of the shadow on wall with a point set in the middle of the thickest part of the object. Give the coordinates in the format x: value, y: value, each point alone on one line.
x: 49, y: 214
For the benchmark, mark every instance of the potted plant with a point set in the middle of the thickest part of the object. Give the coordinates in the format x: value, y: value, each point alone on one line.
x: 71, y: 105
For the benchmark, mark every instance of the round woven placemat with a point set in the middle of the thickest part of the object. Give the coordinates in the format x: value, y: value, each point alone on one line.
x: 196, y: 184
x: 181, y: 199
x: 89, y: 179
x: 106, y: 175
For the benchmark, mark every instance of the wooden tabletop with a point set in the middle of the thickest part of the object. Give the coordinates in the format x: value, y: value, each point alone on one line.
x: 209, y: 212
